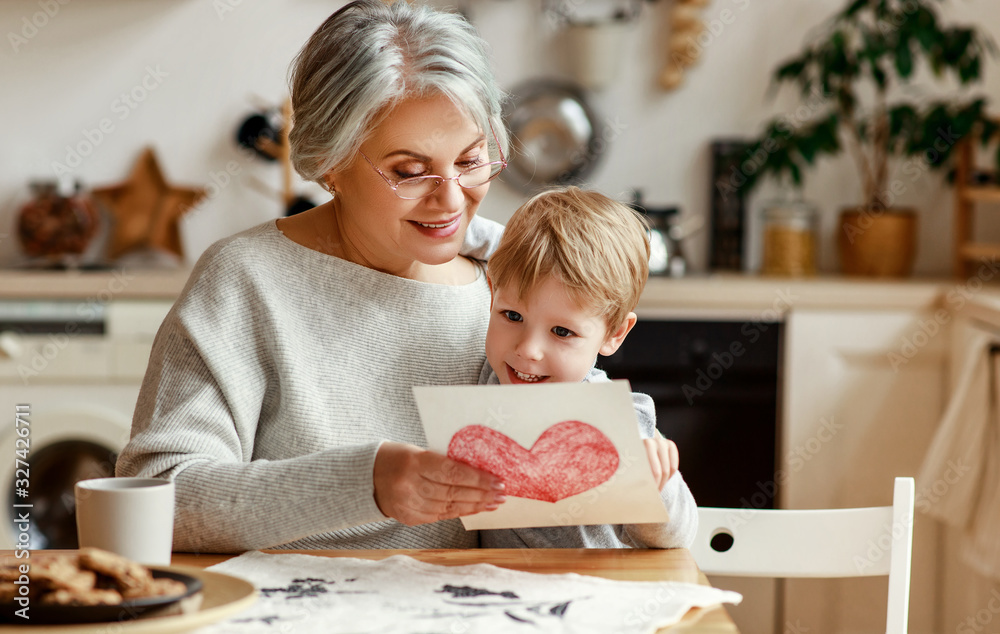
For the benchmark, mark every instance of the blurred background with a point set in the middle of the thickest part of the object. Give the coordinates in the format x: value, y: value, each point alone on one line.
x: 86, y: 86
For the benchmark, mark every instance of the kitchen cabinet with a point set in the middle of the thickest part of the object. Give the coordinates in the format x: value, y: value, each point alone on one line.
x: 970, y: 602
x: 863, y: 393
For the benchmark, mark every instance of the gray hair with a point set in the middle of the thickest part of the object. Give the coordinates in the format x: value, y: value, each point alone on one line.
x: 370, y: 55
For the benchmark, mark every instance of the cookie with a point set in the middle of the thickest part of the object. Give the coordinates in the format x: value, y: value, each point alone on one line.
x: 156, y: 588
x: 127, y: 574
x: 9, y: 572
x: 61, y: 573
x: 88, y: 597
x: 7, y: 591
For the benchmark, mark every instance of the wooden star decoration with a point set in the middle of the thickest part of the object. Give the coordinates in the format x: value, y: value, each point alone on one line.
x: 146, y: 209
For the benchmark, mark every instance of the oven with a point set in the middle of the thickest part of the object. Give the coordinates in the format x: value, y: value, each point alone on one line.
x: 70, y: 373
x: 715, y: 385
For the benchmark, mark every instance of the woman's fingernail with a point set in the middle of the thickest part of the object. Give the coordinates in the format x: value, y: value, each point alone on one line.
x: 499, y: 499
x: 492, y: 506
x: 498, y: 485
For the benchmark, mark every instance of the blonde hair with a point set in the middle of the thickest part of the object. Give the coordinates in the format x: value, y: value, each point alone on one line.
x: 596, y: 246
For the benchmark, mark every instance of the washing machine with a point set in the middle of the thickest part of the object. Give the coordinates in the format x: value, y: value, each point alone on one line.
x: 70, y: 373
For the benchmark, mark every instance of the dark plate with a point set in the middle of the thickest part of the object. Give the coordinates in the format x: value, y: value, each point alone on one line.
x: 125, y: 611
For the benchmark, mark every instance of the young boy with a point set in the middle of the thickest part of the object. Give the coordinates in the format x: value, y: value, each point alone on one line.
x: 565, y: 278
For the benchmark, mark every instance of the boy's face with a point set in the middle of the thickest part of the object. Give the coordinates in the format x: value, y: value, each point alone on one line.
x: 547, y: 336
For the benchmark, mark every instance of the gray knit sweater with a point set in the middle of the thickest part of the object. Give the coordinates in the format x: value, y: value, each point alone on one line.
x: 274, y: 379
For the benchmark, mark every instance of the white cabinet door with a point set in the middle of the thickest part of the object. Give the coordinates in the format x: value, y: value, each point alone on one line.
x: 863, y: 392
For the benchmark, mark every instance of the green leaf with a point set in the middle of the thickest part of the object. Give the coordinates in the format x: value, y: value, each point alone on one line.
x: 904, y: 59
x: 926, y: 36
x: 989, y: 128
x: 796, y: 173
x: 879, y: 76
x: 846, y: 100
x: 790, y: 71
x: 854, y: 8
x: 956, y: 43
x: 901, y: 119
x: 969, y: 71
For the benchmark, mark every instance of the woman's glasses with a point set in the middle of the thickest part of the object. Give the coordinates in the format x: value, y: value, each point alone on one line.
x: 421, y: 186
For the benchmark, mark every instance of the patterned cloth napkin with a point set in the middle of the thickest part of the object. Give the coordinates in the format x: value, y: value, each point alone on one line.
x: 306, y: 593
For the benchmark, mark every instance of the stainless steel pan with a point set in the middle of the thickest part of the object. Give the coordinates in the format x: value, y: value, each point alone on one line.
x: 554, y: 135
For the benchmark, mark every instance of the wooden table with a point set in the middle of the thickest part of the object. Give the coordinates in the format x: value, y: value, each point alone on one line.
x: 625, y: 564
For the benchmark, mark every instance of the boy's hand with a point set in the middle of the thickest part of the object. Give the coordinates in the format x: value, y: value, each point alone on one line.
x: 663, y: 458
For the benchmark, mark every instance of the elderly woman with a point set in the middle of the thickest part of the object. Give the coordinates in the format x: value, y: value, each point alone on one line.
x: 278, y: 395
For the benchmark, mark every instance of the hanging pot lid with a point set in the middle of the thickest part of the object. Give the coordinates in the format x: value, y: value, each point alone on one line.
x: 555, y: 135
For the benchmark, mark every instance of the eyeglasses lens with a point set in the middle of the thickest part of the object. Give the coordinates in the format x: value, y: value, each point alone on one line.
x: 412, y: 188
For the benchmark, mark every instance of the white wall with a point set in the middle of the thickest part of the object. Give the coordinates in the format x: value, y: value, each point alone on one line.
x: 206, y: 64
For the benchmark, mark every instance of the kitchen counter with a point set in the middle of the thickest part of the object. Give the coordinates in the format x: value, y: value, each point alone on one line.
x: 749, y: 296
x: 701, y: 296
x: 984, y: 306
x: 102, y: 286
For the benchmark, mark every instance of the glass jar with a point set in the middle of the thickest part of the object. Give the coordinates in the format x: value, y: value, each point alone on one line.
x: 57, y: 224
x: 790, y: 238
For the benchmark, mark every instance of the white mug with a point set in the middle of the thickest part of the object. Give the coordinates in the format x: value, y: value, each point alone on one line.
x: 133, y: 517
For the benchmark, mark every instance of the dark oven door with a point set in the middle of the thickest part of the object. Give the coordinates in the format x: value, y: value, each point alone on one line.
x: 716, y: 387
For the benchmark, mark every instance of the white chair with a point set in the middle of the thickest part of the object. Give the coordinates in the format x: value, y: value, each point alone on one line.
x: 855, y: 542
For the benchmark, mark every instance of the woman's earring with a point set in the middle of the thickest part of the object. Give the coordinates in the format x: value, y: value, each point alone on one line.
x: 329, y: 187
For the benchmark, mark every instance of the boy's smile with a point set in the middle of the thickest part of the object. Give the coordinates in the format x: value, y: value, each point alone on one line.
x: 546, y: 336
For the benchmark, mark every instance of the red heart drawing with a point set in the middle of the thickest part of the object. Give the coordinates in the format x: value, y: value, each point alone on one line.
x: 568, y: 458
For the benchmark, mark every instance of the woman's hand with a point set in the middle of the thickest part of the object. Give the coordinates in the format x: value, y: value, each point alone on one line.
x: 663, y: 458
x: 416, y: 486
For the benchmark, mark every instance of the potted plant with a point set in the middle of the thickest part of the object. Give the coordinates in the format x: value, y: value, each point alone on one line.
x: 849, y: 77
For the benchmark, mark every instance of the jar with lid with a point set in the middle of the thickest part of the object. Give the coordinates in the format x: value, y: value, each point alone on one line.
x: 790, y: 238
x: 57, y: 224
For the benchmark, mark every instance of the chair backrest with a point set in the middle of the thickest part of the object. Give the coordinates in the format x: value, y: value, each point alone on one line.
x: 855, y: 542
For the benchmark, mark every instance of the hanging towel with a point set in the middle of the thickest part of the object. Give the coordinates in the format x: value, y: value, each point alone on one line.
x: 981, y: 547
x: 959, y: 481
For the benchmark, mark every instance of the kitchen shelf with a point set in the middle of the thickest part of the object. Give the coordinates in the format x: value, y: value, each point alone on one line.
x: 983, y: 193
x: 973, y: 252
x: 968, y: 198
